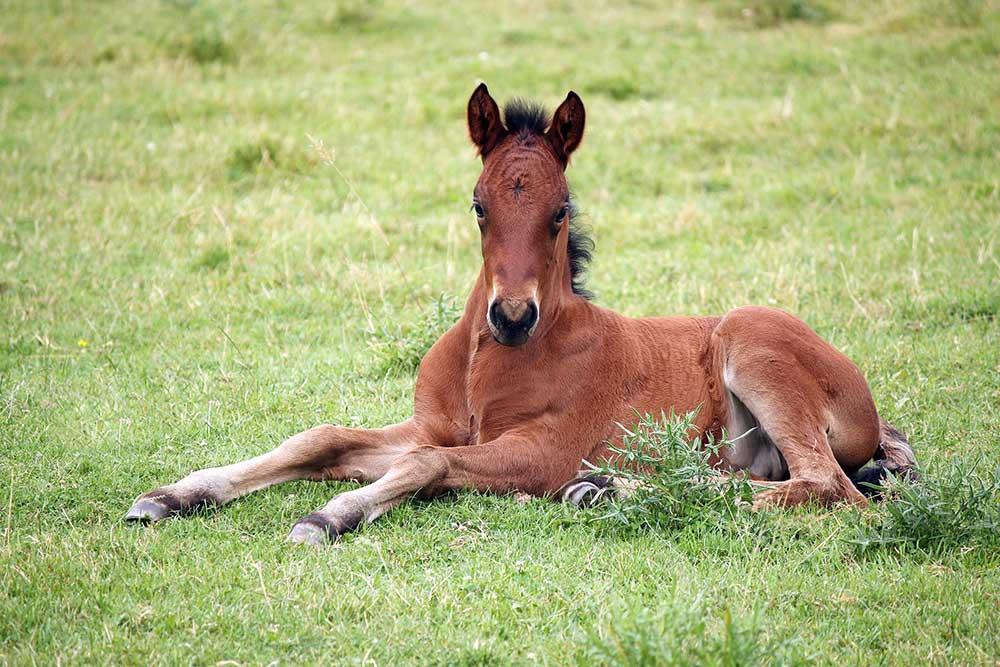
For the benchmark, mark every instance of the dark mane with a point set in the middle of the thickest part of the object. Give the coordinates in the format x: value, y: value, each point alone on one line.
x: 525, y: 116
x: 580, y: 249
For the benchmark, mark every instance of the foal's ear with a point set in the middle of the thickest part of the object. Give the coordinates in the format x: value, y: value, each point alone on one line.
x: 566, y: 130
x: 485, y: 126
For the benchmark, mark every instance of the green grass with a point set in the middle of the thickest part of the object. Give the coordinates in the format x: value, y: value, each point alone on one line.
x: 221, y: 223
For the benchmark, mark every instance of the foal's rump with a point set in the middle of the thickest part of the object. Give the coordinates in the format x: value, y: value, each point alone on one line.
x: 803, y: 408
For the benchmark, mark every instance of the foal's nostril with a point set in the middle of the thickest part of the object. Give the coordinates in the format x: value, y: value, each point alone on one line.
x: 513, y: 321
x: 495, y: 316
x: 519, y: 314
x: 530, y: 316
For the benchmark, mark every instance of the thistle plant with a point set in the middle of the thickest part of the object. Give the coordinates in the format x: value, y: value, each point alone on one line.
x: 664, y: 478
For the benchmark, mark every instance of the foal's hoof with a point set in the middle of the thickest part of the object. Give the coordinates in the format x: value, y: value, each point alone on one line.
x: 147, y: 510
x: 314, y: 530
x: 587, y: 491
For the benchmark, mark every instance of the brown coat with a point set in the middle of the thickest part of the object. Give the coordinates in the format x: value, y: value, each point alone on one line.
x: 534, y: 378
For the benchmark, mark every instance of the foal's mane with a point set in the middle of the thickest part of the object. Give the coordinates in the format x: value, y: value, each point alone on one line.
x: 526, y: 118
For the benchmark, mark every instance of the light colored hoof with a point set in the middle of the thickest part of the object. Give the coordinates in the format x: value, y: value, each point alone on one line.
x: 146, y: 510
x: 584, y: 492
x: 579, y: 493
x: 308, y: 533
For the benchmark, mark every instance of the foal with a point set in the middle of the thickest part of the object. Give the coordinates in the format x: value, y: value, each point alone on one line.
x: 534, y: 378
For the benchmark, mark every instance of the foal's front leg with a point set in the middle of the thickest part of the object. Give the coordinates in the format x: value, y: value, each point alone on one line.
x: 509, y: 463
x: 323, y: 452
x: 589, y: 488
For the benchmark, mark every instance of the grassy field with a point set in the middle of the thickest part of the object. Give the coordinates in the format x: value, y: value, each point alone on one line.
x: 186, y: 278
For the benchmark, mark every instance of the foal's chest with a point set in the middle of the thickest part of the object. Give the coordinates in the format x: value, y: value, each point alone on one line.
x: 505, y: 389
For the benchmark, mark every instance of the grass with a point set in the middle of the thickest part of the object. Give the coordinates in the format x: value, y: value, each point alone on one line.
x: 221, y: 223
x: 955, y: 507
x: 666, y: 480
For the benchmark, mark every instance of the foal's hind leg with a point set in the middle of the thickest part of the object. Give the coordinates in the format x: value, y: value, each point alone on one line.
x: 800, y: 390
x: 324, y: 452
x: 795, y: 424
x: 822, y: 484
x: 800, y: 436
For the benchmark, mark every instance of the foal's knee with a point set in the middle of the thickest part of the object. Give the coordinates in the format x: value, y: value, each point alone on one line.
x: 429, y: 465
x: 303, y: 449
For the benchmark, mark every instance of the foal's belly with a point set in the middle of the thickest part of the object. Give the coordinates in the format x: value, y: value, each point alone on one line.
x: 752, y: 449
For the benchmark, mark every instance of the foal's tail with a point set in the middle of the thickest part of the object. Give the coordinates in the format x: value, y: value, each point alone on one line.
x: 893, y: 455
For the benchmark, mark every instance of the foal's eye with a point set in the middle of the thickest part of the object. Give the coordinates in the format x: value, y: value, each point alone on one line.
x: 480, y: 213
x: 561, y: 215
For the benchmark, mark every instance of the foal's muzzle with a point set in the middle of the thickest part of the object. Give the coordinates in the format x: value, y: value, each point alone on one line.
x: 512, y: 321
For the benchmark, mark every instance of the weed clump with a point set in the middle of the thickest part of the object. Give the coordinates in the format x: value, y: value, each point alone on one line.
x: 663, y: 466
x: 400, y: 347
x: 350, y: 14
x: 618, y: 88
x: 212, y: 258
x: 210, y: 47
x: 954, y: 507
x: 249, y: 158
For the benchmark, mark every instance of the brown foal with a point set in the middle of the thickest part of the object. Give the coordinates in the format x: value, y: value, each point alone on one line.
x: 534, y: 378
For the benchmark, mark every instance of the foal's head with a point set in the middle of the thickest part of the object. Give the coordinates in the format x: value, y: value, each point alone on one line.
x: 522, y: 205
